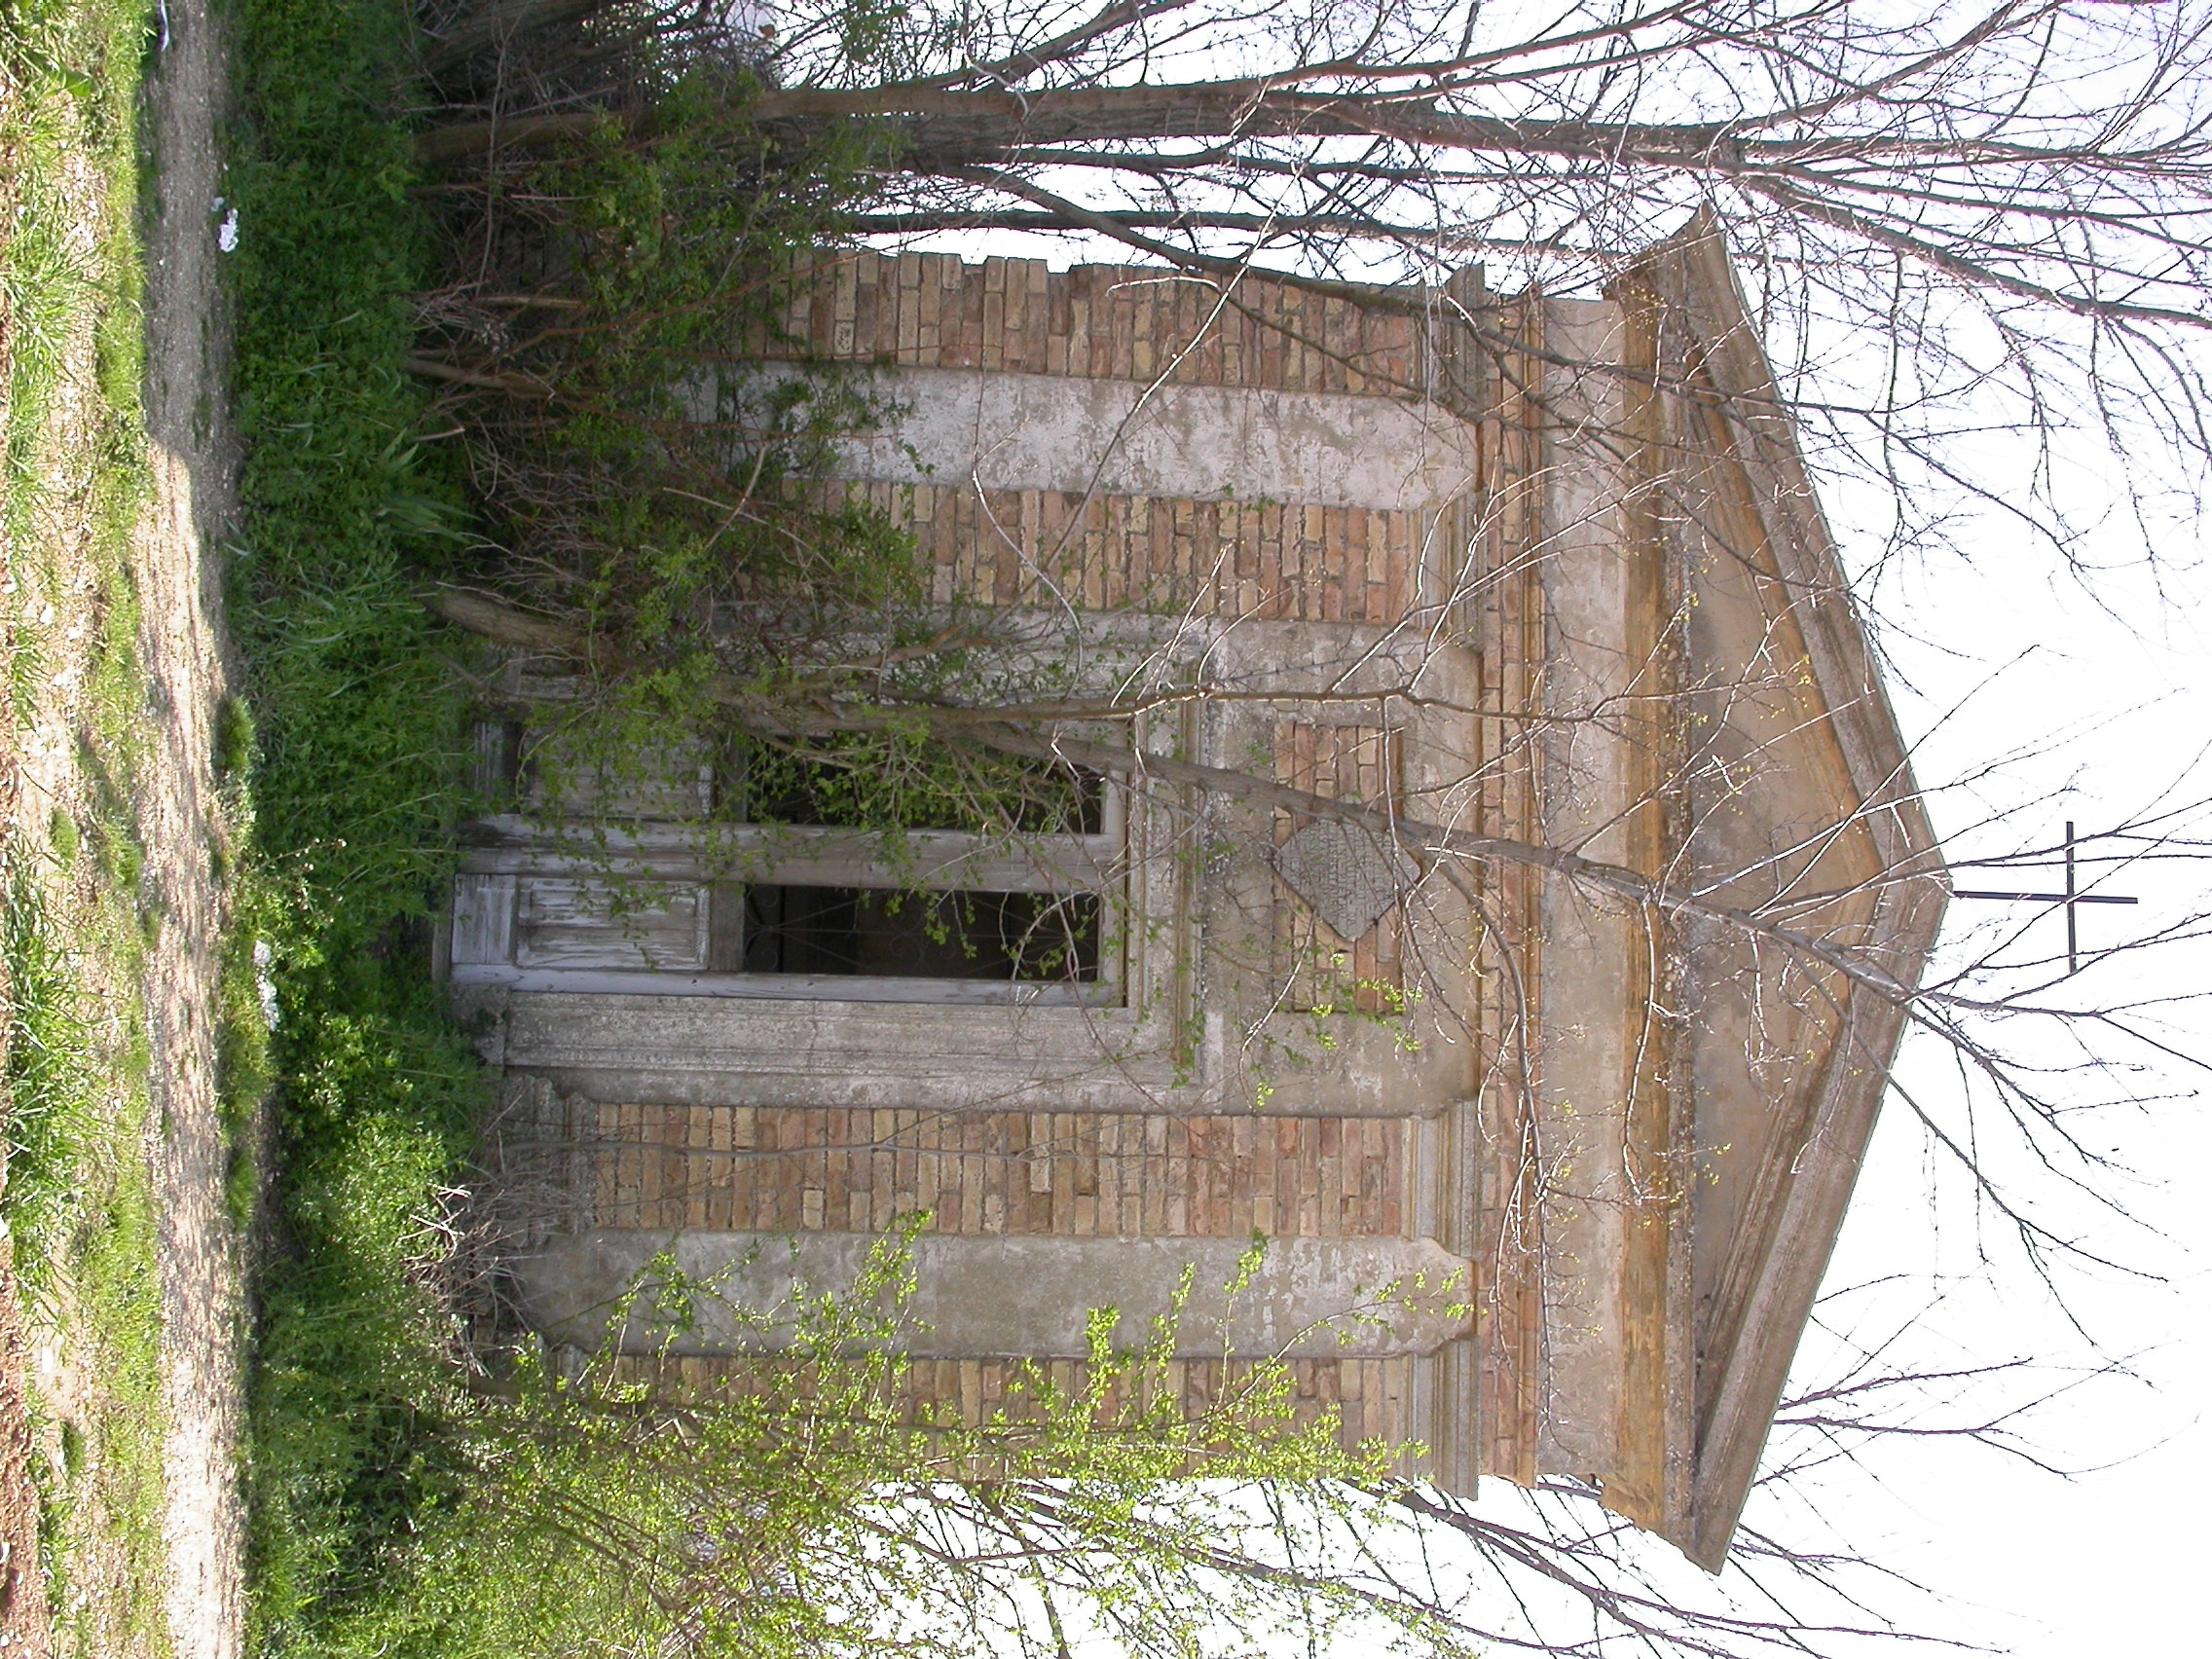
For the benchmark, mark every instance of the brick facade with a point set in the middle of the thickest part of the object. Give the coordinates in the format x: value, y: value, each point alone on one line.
x: 1460, y: 574
x: 1545, y: 570
x: 1464, y: 575
x: 1103, y: 322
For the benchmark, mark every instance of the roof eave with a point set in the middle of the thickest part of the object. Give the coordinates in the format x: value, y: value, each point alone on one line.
x: 1696, y: 280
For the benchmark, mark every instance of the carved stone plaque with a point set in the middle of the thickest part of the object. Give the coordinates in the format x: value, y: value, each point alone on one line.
x: 1346, y: 872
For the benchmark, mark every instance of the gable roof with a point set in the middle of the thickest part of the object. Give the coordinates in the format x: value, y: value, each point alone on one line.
x: 1855, y: 862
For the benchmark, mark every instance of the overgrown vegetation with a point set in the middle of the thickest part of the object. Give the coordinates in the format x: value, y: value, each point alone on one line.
x: 358, y: 721
x: 353, y: 731
x: 809, y: 1510
x: 601, y: 464
x: 521, y: 389
x: 606, y: 332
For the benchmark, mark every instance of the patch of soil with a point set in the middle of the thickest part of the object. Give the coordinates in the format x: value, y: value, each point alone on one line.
x: 192, y: 464
x: 195, y: 474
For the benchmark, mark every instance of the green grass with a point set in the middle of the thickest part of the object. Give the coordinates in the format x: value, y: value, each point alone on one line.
x: 80, y: 1206
x: 336, y: 769
x: 352, y: 732
x: 55, y: 1122
x: 79, y: 1202
x: 69, y: 73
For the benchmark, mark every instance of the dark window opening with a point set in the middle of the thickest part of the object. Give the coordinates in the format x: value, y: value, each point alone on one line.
x: 1032, y: 937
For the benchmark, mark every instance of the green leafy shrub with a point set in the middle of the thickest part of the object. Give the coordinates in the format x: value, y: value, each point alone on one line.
x: 352, y: 733
x: 797, y: 1506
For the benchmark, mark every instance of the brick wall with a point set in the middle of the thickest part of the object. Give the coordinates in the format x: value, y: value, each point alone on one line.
x: 1502, y: 615
x: 1272, y: 561
x: 1079, y: 1174
x: 1304, y: 563
x: 1069, y: 1173
x: 1265, y: 562
x: 1360, y: 763
x: 1121, y: 323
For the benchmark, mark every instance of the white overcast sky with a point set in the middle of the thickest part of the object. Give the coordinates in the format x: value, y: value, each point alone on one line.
x: 2103, y: 714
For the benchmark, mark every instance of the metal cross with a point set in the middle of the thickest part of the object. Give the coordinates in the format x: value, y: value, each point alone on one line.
x: 2070, y: 898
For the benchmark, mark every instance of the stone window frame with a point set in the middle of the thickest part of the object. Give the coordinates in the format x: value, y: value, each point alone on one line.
x: 1142, y: 915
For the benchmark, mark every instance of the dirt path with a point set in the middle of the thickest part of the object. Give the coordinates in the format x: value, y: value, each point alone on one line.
x: 195, y: 471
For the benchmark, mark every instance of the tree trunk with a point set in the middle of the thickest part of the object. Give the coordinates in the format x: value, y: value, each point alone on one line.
x: 945, y: 128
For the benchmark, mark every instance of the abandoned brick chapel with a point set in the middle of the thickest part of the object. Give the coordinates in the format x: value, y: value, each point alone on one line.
x: 1500, y: 888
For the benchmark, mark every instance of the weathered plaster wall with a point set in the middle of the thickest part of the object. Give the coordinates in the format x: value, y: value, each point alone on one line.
x: 1014, y: 1294
x: 1189, y: 443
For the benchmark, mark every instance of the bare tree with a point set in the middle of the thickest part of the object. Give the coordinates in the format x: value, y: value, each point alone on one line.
x: 1956, y: 215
